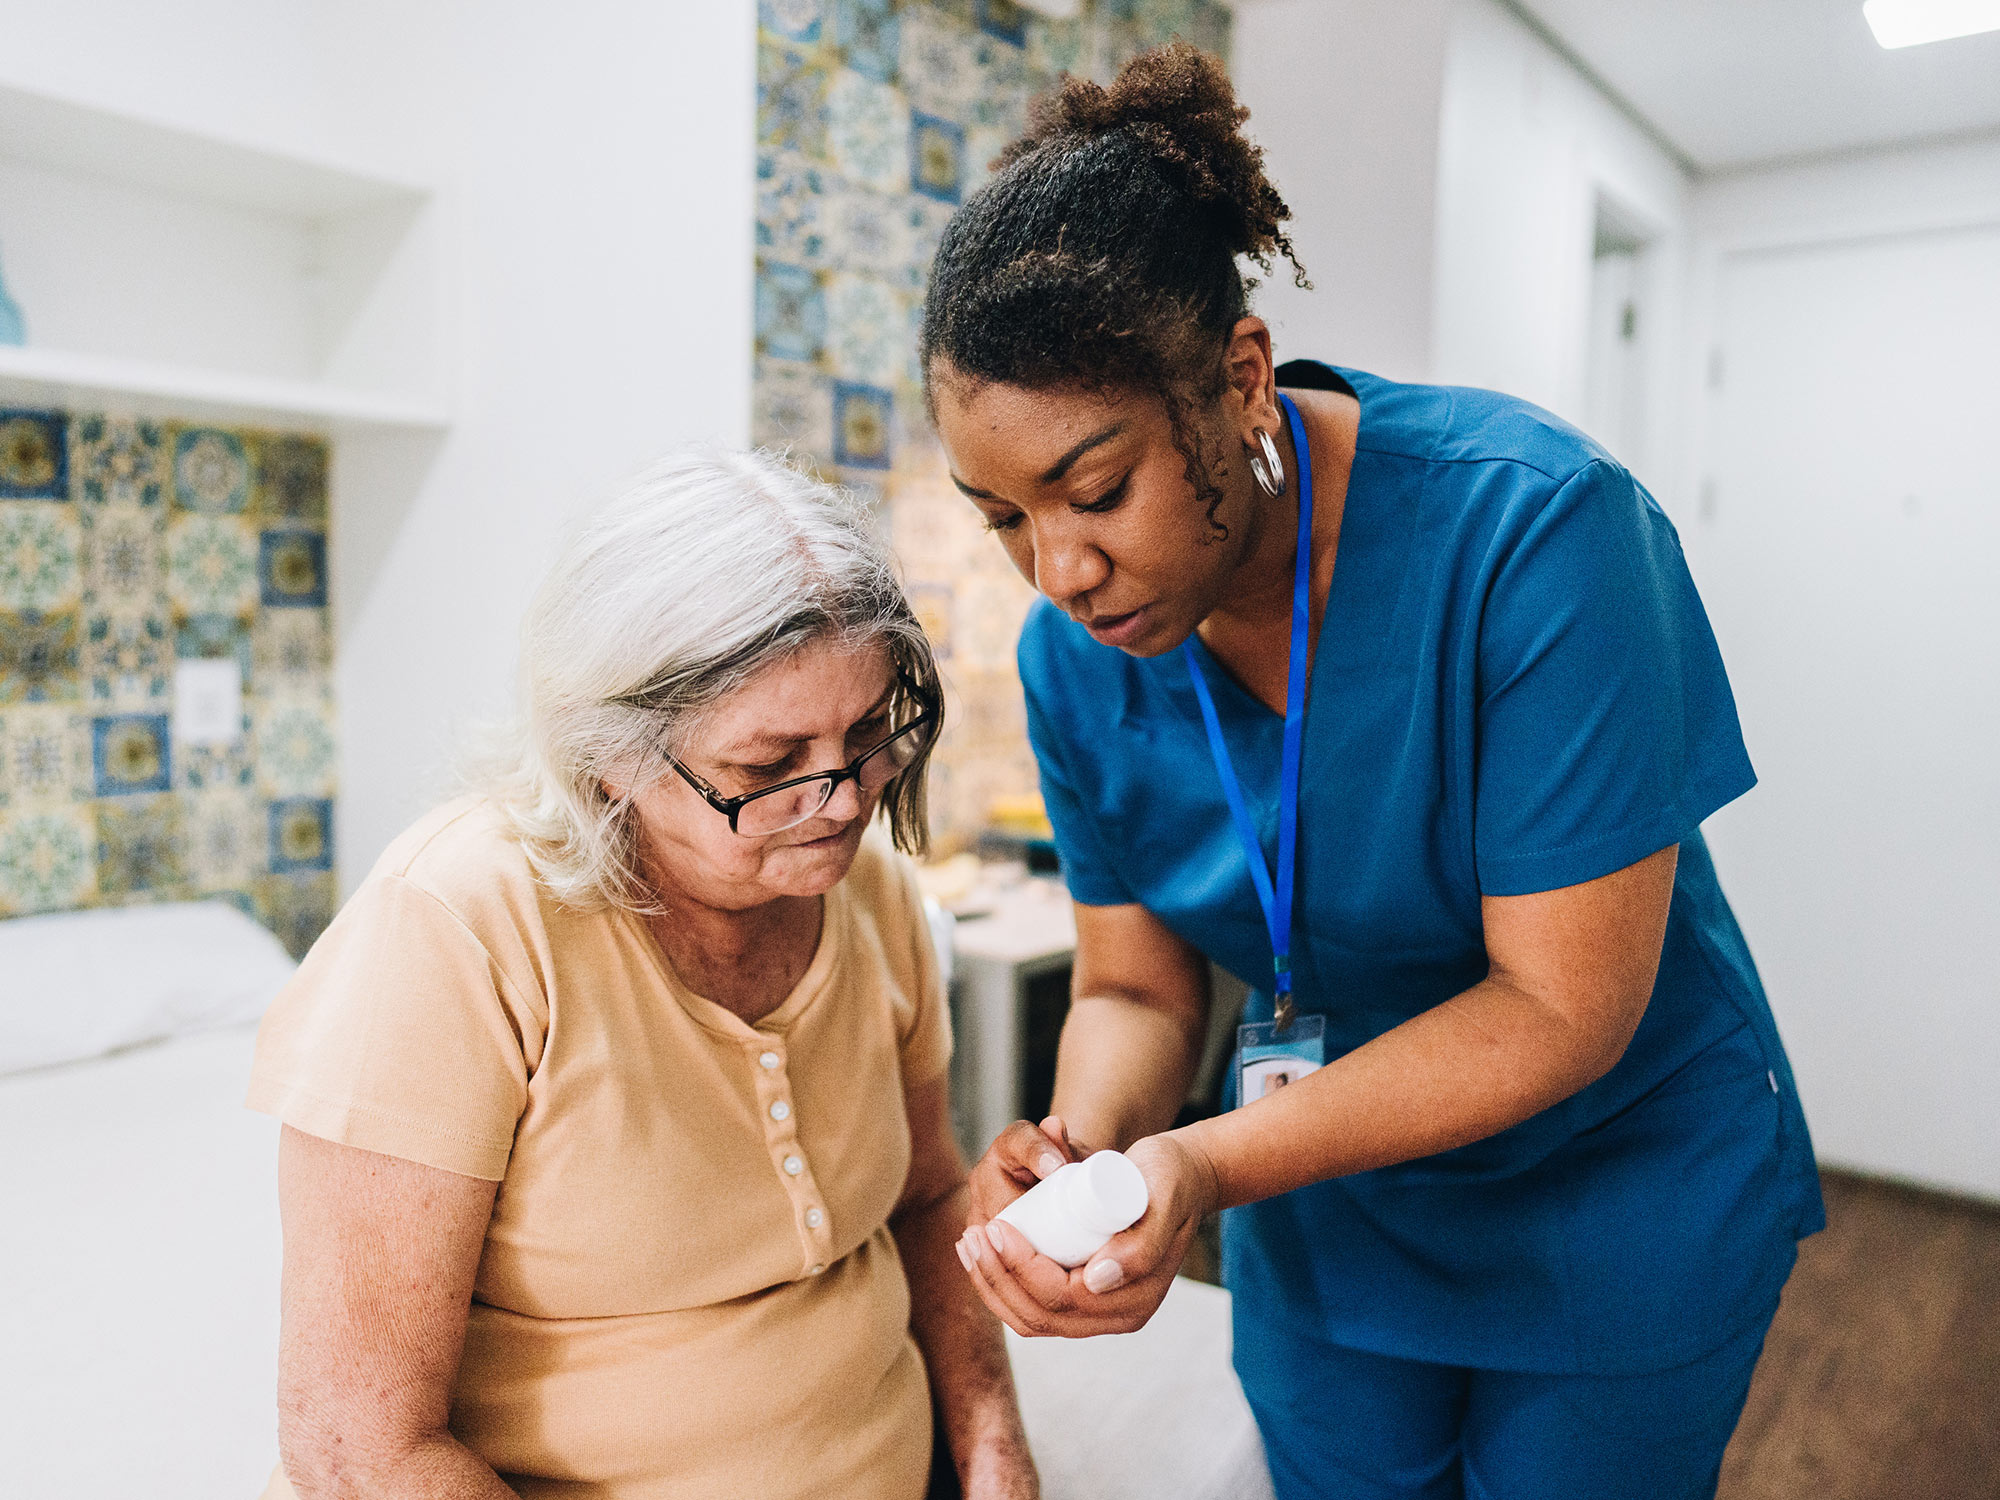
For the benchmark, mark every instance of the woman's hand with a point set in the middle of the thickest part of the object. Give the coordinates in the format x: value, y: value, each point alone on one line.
x: 1123, y: 1284
x: 1020, y: 1156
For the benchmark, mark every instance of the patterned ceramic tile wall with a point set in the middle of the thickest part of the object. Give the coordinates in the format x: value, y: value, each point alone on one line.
x: 875, y: 120
x: 126, y: 547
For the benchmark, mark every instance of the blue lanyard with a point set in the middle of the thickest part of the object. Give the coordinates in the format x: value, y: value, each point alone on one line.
x: 1276, y: 901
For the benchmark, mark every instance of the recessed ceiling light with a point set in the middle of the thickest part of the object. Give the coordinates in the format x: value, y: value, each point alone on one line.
x: 1908, y: 23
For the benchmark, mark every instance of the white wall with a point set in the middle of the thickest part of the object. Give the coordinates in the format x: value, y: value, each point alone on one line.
x: 1343, y: 95
x: 592, y: 250
x: 599, y: 174
x: 1526, y: 146
x: 237, y: 68
x: 1848, y: 546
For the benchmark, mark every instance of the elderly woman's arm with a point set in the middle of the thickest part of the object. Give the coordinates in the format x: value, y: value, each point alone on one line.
x: 962, y: 1343
x: 379, y: 1260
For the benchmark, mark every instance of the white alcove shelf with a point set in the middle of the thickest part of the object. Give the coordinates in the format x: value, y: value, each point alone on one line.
x: 170, y: 273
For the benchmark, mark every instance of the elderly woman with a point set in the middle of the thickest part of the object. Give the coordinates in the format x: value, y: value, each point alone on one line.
x: 617, y: 1159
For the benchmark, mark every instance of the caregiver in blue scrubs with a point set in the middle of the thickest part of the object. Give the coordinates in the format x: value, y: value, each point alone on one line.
x: 1398, y: 702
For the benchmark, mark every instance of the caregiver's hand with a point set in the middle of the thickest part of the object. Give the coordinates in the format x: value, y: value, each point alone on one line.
x: 1124, y: 1283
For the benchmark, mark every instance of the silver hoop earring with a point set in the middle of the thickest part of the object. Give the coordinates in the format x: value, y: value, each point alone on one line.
x: 1267, y: 468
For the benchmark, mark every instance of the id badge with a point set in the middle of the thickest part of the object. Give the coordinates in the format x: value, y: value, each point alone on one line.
x: 1270, y: 1059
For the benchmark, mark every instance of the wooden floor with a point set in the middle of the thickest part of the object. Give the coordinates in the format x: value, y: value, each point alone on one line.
x: 1881, y: 1377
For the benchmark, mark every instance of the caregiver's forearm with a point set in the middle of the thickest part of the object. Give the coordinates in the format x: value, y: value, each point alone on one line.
x: 1469, y: 1068
x: 964, y: 1350
x: 1122, y: 1069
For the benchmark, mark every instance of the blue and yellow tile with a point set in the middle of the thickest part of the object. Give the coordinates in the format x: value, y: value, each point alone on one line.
x: 863, y: 425
x: 293, y: 747
x: 866, y: 327
x: 291, y: 480
x: 164, y: 541
x: 291, y: 569
x: 291, y: 651
x: 870, y: 233
x: 937, y: 157
x: 141, y: 849
x: 791, y: 312
x: 41, y: 657
x: 212, y: 564
x: 128, y: 661
x: 34, y: 454
x: 869, y: 36
x: 131, y: 754
x: 212, y: 470
x: 227, y: 840
x: 301, y: 832
x: 791, y: 100
x: 792, y: 191
x: 791, y: 408
x: 124, y: 550
x: 48, y: 859
x: 937, y: 64
x: 868, y: 132
x: 44, y: 755
x: 117, y: 460
x: 41, y: 548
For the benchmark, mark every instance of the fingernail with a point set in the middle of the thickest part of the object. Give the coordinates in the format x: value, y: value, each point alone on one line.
x: 1050, y: 1162
x: 993, y: 1235
x: 964, y: 1255
x: 1103, y: 1275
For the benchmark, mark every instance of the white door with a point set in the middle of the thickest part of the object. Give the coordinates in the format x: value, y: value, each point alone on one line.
x: 1849, y: 553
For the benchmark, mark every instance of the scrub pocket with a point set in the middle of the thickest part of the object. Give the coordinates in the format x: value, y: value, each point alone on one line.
x: 1680, y: 1222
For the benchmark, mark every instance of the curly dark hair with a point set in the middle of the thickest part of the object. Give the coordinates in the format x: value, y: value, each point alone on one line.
x: 1104, y: 250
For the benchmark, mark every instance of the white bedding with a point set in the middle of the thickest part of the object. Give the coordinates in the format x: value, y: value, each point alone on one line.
x: 1152, y: 1415
x: 139, y: 1249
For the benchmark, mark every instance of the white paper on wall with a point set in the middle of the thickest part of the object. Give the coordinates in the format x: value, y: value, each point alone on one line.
x: 208, y: 701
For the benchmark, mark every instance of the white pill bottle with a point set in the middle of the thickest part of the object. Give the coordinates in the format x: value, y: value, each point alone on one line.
x: 1070, y: 1213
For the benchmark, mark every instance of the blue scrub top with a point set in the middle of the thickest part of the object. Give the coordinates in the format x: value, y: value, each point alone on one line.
x: 1515, y: 689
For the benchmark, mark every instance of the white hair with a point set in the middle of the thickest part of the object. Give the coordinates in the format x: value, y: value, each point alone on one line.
x: 708, y: 568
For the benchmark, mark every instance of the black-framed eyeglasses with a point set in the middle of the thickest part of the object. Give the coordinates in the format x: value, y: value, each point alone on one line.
x: 773, y: 809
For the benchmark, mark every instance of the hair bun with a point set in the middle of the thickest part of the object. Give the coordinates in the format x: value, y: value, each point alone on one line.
x: 1178, y: 103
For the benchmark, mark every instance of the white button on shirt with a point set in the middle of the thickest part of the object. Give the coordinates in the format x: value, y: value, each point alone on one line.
x: 768, y: 1060
x: 793, y: 1166
x: 814, y: 1218
x: 780, y: 1110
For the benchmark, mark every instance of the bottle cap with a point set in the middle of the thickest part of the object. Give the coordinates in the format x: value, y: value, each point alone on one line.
x: 1109, y: 1195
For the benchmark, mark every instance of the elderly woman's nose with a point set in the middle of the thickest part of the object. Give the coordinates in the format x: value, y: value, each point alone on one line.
x: 845, y: 803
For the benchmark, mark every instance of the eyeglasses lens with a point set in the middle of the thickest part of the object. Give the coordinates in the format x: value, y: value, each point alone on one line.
x: 790, y: 806
x: 783, y: 809
x: 882, y: 767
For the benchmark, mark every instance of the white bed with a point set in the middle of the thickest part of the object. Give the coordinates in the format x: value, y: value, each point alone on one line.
x: 139, y: 1246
